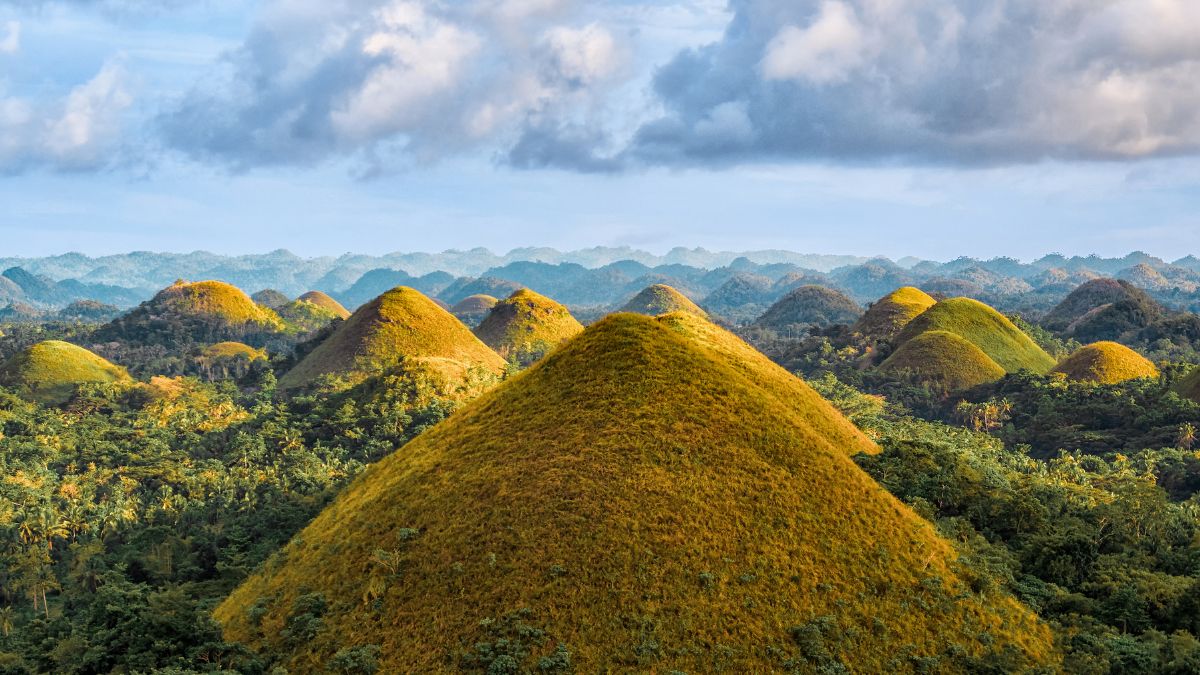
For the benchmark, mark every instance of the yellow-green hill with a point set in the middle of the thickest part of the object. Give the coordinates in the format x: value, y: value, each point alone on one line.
x: 232, y: 350
x: 526, y: 325
x: 661, y: 299
x: 203, y: 311
x: 1106, y: 363
x: 214, y: 300
x: 400, y: 324
x: 49, y: 372
x: 945, y: 359
x: 983, y: 327
x: 325, y: 302
x: 892, y: 312
x: 312, y: 311
x: 631, y: 503
x: 473, y: 309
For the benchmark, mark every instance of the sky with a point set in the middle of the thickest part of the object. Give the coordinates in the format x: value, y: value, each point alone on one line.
x: 933, y: 128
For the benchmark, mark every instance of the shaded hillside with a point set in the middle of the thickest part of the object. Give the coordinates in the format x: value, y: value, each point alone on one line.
x: 203, y: 311
x: 270, y: 298
x: 473, y: 309
x: 1103, y: 309
x: 525, y: 326
x: 462, y: 289
x: 49, y: 372
x: 631, y: 503
x: 1106, y: 363
x: 984, y: 327
x: 809, y: 306
x: 661, y: 299
x: 945, y: 360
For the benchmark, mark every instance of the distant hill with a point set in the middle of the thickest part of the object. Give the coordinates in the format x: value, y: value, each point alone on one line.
x: 944, y: 359
x: 661, y: 299
x: 810, y: 306
x: 271, y: 298
x: 983, y: 327
x: 400, y: 324
x: 1106, y: 363
x: 1103, y: 309
x: 891, y: 313
x: 49, y: 372
x: 525, y: 326
x: 202, y: 311
x: 473, y: 309
x: 462, y: 289
x: 632, y: 503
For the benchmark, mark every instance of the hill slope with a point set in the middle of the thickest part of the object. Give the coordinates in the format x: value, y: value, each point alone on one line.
x: 203, y: 311
x: 325, y: 302
x: 944, y: 358
x: 1106, y: 363
x: 630, y: 503
x: 892, y: 312
x: 661, y: 299
x: 1103, y: 308
x: 401, y: 323
x: 49, y: 372
x: 471, y: 310
x: 984, y: 327
x: 526, y: 325
x: 810, y: 305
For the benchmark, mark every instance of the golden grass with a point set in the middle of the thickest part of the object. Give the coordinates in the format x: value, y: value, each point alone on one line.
x: 646, y: 503
x: 401, y: 323
x: 984, y: 327
x: 232, y: 350
x: 944, y: 359
x: 49, y: 372
x: 526, y: 325
x: 661, y: 299
x: 213, y: 300
x: 1106, y: 363
x: 892, y: 312
x: 325, y: 302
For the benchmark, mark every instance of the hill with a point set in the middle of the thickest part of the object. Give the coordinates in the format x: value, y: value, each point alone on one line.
x: 49, y: 372
x: 312, y: 311
x: 1103, y: 309
x: 525, y: 326
x: 810, y: 306
x: 471, y: 310
x: 984, y: 327
x: 203, y: 311
x: 945, y: 359
x: 892, y: 312
x: 630, y: 503
x: 270, y: 298
x: 1106, y: 363
x: 325, y: 302
x: 400, y: 324
x: 462, y: 289
x: 661, y: 299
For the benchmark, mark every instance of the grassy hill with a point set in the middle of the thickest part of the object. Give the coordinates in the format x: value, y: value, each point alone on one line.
x: 312, y: 311
x: 633, y: 502
x: 944, y: 358
x: 892, y: 312
x: 203, y: 311
x: 474, y: 309
x: 49, y: 372
x: 661, y: 299
x: 400, y: 324
x: 810, y: 305
x: 1103, y: 309
x: 325, y: 302
x: 1106, y: 363
x: 271, y: 298
x: 984, y: 327
x: 526, y: 325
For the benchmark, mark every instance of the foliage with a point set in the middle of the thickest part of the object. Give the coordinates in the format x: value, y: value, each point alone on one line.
x: 525, y: 326
x: 809, y: 305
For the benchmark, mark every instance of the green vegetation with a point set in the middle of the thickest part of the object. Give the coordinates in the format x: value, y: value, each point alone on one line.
x: 809, y: 306
x: 325, y: 302
x: 49, y: 372
x: 891, y: 313
x: 401, y: 324
x: 185, y: 313
x: 1189, y: 386
x: 525, y: 326
x: 474, y: 309
x: 944, y: 360
x: 1106, y: 363
x: 984, y: 327
x: 540, y: 528
x: 271, y: 298
x: 661, y: 299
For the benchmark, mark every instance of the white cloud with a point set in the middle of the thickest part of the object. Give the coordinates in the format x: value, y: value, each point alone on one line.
x: 11, y: 42
x: 825, y: 51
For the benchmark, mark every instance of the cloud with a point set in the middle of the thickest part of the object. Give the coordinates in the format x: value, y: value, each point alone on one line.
x: 954, y: 81
x: 11, y: 42
x: 80, y: 131
x: 379, y: 80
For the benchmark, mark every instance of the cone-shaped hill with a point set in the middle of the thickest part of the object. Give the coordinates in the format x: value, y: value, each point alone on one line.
x: 203, y: 311
x: 269, y: 297
x: 630, y: 503
x: 400, y: 324
x: 661, y: 299
x: 984, y: 327
x: 891, y: 313
x: 1103, y: 309
x: 526, y: 325
x: 312, y: 311
x: 810, y: 306
x: 325, y: 302
x: 944, y: 358
x: 471, y: 310
x: 1106, y: 363
x: 49, y: 372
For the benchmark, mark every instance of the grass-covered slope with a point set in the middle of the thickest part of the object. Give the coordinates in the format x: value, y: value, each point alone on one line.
x: 661, y: 299
x: 49, y: 372
x: 632, y: 503
x: 945, y: 359
x: 810, y: 305
x: 1103, y: 309
x: 1106, y: 363
x: 202, y: 311
x: 473, y: 309
x: 526, y: 325
x: 984, y: 327
x: 232, y: 350
x: 892, y: 312
x: 312, y: 311
x: 325, y: 302
x: 214, y: 300
x: 401, y: 323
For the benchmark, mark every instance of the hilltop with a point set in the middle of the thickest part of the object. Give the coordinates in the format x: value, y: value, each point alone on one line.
x: 270, y: 298
x: 984, y: 327
x: 810, y: 306
x: 203, y: 311
x: 312, y: 311
x: 887, y: 316
x: 661, y: 299
x: 49, y: 372
x: 945, y: 359
x: 630, y: 503
x: 1103, y: 309
x: 325, y: 302
x: 1106, y: 363
x: 400, y: 324
x: 474, y: 309
x: 526, y: 325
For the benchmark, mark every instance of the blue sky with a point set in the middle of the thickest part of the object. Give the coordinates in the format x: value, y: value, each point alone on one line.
x: 934, y: 128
